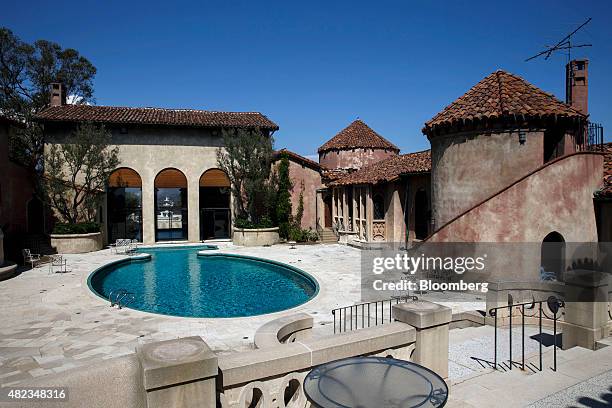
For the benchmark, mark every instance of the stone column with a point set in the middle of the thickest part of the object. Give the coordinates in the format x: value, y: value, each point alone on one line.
x: 149, y: 217
x: 178, y: 373
x: 431, y: 321
x: 193, y: 208
x: 586, y: 308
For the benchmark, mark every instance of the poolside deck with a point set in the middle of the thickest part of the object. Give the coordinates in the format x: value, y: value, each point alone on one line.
x: 53, y: 322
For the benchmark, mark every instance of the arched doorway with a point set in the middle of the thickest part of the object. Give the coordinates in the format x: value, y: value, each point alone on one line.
x: 421, y: 209
x: 552, y: 262
x: 215, y: 214
x: 124, y: 205
x: 170, y: 205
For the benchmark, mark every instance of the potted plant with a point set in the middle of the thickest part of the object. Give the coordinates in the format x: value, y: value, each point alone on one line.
x: 76, y: 172
x: 247, y: 160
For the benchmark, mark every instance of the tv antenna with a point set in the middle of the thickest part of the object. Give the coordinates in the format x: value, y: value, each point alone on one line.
x: 564, y: 44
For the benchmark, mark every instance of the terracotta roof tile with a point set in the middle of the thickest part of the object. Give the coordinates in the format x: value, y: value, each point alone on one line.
x: 357, y: 135
x: 390, y: 169
x: 500, y: 95
x: 297, y: 158
x: 155, y: 116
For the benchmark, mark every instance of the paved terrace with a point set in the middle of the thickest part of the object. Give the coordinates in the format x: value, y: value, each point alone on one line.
x: 52, y: 322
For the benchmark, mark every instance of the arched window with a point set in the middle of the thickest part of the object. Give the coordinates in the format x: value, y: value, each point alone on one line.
x: 170, y: 205
x: 215, y: 214
x: 379, y: 207
x: 124, y: 205
x: 552, y: 257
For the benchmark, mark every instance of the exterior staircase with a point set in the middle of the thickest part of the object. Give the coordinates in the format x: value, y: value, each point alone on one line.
x: 328, y: 236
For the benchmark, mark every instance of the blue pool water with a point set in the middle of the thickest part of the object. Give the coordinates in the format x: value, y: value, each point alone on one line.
x: 176, y: 281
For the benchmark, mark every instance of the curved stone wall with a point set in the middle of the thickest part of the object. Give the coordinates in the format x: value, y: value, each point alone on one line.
x: 353, y: 158
x: 77, y: 243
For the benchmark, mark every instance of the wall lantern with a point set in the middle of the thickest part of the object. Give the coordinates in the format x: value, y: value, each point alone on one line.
x: 522, y: 137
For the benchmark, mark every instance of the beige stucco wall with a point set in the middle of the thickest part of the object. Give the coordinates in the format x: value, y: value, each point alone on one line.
x: 149, y: 150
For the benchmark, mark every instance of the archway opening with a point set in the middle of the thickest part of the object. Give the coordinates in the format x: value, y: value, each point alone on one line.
x: 215, y: 214
x: 170, y: 205
x: 124, y: 205
x: 552, y: 257
x: 421, y: 208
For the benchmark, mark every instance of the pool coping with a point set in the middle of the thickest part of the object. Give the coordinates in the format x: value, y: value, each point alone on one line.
x: 86, y: 282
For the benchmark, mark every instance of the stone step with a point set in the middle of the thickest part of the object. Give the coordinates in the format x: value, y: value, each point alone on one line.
x: 517, y: 389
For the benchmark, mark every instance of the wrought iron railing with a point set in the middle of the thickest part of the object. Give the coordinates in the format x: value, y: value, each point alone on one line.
x: 348, y: 318
x: 553, y: 303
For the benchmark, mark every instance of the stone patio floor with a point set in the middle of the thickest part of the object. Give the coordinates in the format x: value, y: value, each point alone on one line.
x: 53, y: 322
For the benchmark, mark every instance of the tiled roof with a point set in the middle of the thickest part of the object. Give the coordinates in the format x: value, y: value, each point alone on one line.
x: 501, y: 95
x: 331, y: 175
x: 606, y: 191
x: 297, y: 158
x: 357, y: 135
x: 390, y: 169
x: 155, y: 116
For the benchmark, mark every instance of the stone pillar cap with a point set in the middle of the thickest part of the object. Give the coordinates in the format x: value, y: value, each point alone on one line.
x: 171, y: 362
x: 422, y: 314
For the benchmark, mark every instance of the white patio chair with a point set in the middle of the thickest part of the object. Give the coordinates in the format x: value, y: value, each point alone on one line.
x: 29, y: 257
x: 58, y: 261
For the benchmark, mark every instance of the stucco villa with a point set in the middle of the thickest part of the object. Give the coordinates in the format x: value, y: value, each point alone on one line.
x: 168, y: 187
x: 497, y: 153
x: 508, y: 163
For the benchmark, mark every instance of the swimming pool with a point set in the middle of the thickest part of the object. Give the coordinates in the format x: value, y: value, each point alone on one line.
x: 178, y: 282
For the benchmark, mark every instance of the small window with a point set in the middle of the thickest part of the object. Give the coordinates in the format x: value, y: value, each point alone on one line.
x: 379, y: 207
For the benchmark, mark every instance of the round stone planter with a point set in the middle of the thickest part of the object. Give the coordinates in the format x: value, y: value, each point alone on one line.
x: 255, y: 237
x: 77, y: 243
x: 7, y: 269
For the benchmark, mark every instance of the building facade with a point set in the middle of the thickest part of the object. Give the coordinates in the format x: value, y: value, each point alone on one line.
x: 168, y: 186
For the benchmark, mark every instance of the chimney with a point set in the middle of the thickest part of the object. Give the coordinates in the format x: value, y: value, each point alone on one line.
x: 577, y: 84
x: 58, y: 94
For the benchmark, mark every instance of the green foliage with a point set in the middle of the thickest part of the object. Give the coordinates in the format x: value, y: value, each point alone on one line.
x: 299, y: 214
x: 76, y: 172
x: 247, y: 160
x: 264, y: 222
x: 298, y: 234
x: 26, y: 74
x: 77, y: 228
x: 283, y: 198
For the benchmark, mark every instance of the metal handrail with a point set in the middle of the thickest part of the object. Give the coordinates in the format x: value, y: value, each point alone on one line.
x: 554, y: 304
x: 120, y: 295
x: 343, y: 323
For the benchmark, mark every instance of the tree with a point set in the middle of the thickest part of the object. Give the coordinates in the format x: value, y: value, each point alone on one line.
x: 26, y: 74
x: 299, y: 213
x: 76, y: 172
x: 246, y: 160
x: 283, y: 197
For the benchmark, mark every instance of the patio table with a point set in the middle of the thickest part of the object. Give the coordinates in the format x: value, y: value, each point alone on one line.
x: 374, y: 382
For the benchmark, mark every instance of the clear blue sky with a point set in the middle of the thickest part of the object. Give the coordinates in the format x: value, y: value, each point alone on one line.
x: 313, y: 67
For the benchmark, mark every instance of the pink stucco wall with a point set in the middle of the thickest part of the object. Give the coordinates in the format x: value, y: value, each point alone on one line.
x: 311, y: 180
x: 556, y: 197
x: 467, y: 168
x: 354, y: 158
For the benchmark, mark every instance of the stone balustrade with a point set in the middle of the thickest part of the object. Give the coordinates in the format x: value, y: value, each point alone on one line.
x: 186, y: 373
x: 285, y: 329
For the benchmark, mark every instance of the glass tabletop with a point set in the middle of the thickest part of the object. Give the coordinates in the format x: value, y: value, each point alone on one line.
x: 374, y: 382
